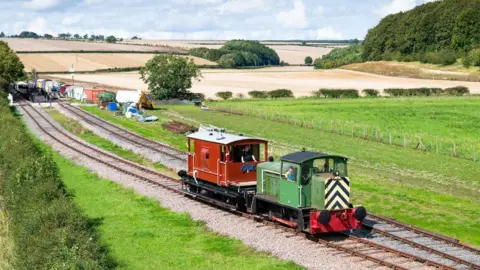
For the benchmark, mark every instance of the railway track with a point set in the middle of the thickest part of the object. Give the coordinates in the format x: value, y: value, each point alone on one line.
x: 384, y: 245
x: 125, y: 134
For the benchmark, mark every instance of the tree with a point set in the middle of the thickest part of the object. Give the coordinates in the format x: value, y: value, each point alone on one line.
x: 134, y: 38
x: 2, y: 35
x: 111, y: 39
x: 77, y: 36
x: 11, y: 68
x: 48, y: 36
x: 27, y: 34
x: 169, y: 76
x: 308, y: 60
x: 85, y: 36
x: 304, y: 43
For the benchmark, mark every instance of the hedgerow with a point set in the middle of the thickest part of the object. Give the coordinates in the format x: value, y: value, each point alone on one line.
x: 336, y: 93
x: 224, y: 95
x: 49, y: 230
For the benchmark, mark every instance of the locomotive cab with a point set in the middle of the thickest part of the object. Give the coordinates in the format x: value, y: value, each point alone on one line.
x: 309, y: 191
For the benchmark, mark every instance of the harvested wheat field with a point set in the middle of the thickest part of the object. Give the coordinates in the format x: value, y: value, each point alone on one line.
x: 301, y: 80
x: 19, y: 44
x: 57, y: 62
x: 292, y: 53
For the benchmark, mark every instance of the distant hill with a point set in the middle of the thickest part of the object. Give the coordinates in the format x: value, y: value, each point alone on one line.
x: 443, y: 25
x: 440, y: 32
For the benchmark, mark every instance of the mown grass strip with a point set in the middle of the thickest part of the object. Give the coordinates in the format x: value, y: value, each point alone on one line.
x: 142, y: 235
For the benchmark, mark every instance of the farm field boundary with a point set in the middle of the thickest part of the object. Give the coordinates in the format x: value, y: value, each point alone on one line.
x: 100, y: 51
x: 463, y: 148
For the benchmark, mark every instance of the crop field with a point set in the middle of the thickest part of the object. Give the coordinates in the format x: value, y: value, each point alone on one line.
x: 60, y: 62
x: 301, y: 80
x: 449, y: 125
x: 418, y: 70
x: 18, y: 44
x: 290, y: 52
x: 421, y: 188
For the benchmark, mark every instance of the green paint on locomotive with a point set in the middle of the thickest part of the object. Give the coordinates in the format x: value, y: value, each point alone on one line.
x: 309, y: 188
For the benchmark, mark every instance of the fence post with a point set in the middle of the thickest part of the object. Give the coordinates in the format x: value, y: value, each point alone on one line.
x: 436, y: 145
x: 404, y: 140
x: 365, y: 132
x: 352, y: 131
x: 390, y: 138
x: 474, y: 155
x: 454, y: 149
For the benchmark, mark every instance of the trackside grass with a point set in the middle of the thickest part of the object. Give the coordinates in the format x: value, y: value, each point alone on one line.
x: 435, y: 192
x: 142, y: 235
x: 76, y: 128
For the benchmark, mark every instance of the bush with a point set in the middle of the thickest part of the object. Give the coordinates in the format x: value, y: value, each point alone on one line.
x: 258, y: 94
x: 107, y: 96
x: 224, y: 95
x: 280, y: 93
x: 48, y: 229
x: 308, y: 60
x: 239, y: 96
x: 339, y: 57
x: 336, y: 93
x: 457, y: 91
x: 371, y: 92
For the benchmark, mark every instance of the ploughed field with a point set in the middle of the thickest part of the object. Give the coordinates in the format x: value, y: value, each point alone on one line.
x: 61, y: 62
x: 430, y: 190
x: 301, y: 80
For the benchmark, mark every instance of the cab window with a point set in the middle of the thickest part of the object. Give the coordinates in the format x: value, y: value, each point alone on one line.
x: 289, y: 171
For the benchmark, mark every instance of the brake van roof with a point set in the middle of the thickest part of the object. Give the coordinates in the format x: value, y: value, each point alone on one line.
x: 220, y: 138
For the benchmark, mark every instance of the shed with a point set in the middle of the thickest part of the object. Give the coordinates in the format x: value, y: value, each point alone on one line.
x: 76, y: 92
x: 124, y: 96
x: 92, y: 94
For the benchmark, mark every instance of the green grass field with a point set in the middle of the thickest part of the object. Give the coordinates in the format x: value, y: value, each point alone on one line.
x: 446, y: 120
x: 435, y: 192
x: 140, y: 234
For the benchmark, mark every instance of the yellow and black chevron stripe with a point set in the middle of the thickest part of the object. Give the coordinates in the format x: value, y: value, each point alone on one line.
x: 337, y: 193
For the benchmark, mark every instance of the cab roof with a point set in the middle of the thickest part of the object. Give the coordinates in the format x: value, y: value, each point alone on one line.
x: 300, y: 157
x: 220, y: 138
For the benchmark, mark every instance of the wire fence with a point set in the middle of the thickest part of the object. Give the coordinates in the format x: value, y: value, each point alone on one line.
x: 461, y: 148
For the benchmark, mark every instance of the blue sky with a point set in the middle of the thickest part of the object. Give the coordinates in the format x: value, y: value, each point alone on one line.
x: 201, y: 19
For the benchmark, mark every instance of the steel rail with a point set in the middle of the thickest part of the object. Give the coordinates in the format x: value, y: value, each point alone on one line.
x: 174, y: 156
x: 441, y: 238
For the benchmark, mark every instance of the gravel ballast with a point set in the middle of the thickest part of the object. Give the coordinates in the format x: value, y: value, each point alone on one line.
x: 281, y: 244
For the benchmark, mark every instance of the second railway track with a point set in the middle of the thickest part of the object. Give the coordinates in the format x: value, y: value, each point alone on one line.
x: 406, y: 253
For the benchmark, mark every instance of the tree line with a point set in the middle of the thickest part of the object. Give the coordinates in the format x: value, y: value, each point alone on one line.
x: 29, y: 34
x: 239, y: 53
x: 11, y: 68
x: 441, y: 32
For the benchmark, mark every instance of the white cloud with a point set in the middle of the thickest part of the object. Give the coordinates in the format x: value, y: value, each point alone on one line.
x: 327, y: 33
x: 39, y: 26
x: 294, y: 18
x: 244, y: 6
x: 93, y: 2
x: 396, y: 6
x: 41, y: 4
x: 428, y: 1
x: 72, y: 19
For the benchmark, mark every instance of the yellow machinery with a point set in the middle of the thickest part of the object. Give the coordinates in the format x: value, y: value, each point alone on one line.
x: 146, y: 102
